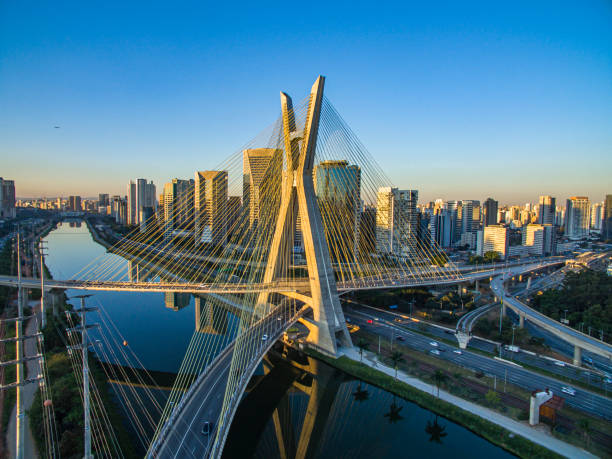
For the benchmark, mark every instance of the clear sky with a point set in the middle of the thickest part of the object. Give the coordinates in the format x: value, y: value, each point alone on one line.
x: 458, y: 99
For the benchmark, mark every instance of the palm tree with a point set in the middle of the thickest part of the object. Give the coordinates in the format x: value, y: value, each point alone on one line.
x: 396, y: 357
x: 435, y: 431
x: 363, y: 345
x: 361, y: 394
x: 585, y: 426
x: 439, y: 378
x: 394, y: 412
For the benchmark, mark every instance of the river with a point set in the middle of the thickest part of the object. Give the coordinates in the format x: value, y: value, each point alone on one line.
x: 295, y: 404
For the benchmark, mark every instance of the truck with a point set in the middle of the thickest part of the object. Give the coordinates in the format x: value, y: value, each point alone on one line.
x: 512, y: 348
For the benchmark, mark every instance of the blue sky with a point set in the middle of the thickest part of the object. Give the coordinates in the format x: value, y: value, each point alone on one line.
x: 460, y: 100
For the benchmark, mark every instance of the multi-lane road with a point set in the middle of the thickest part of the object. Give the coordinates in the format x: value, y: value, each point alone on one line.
x: 584, y: 400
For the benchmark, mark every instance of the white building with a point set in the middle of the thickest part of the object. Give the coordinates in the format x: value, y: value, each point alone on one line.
x: 577, y: 217
x: 396, y: 221
x: 495, y: 239
x: 539, y: 239
x: 140, y: 196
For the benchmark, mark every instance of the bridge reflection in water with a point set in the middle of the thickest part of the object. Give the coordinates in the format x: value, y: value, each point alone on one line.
x: 300, y: 407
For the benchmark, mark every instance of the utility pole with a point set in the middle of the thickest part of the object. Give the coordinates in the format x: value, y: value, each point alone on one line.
x: 19, y: 343
x: 83, y: 346
x: 41, y: 252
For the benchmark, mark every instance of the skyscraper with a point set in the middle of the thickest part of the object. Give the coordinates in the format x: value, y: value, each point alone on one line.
x: 489, y: 216
x: 606, y: 224
x: 539, y: 238
x: 140, y: 195
x: 178, y: 206
x: 396, y: 221
x: 577, y: 217
x: 74, y: 204
x: 338, y: 188
x: 597, y: 210
x: 210, y: 207
x: 7, y: 199
x: 546, y: 210
x: 262, y: 172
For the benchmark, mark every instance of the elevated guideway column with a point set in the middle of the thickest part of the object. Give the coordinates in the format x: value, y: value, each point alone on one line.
x: 577, y: 356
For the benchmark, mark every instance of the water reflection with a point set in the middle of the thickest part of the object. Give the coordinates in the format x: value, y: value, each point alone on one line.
x: 299, y: 407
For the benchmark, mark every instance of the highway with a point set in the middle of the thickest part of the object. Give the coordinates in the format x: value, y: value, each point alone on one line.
x: 182, y: 434
x: 569, y: 334
x: 584, y: 400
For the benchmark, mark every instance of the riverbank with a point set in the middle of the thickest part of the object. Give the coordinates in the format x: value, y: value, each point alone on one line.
x: 96, y: 237
x: 494, y: 427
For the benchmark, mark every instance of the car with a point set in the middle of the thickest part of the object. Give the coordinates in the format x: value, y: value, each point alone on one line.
x: 458, y: 352
x: 264, y: 337
x: 607, y: 380
x: 400, y: 338
x: 279, y: 318
x: 559, y: 363
x: 370, y: 321
x: 568, y: 390
x: 434, y: 352
x: 433, y: 343
x: 207, y: 428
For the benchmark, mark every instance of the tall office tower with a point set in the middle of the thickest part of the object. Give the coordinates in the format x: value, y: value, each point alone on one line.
x: 606, y: 224
x: 454, y: 207
x: 367, y: 231
x: 396, y: 221
x: 476, y: 215
x: 495, y: 239
x: 539, y: 238
x: 577, y: 217
x: 7, y: 199
x: 467, y: 216
x: 546, y: 210
x: 178, y: 207
x: 338, y: 189
x: 489, y: 216
x: 261, y: 181
x: 74, y: 204
x: 102, y: 200
x: 132, y: 212
x: 140, y: 195
x: 597, y: 215
x: 423, y: 220
x: 442, y: 227
x: 210, y: 207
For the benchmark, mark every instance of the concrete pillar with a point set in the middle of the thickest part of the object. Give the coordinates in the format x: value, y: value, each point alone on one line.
x: 537, y: 400
x: 503, y: 310
x: 521, y: 320
x: 463, y: 339
x: 476, y: 285
x: 577, y: 356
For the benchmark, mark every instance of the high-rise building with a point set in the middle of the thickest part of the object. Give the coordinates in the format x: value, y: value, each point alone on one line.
x: 234, y: 207
x: 261, y: 183
x: 396, y: 221
x: 7, y: 199
x: 210, y: 207
x: 489, y: 216
x: 74, y: 204
x: 577, y: 217
x: 140, y: 195
x: 539, y: 238
x: 467, y: 216
x: 546, y: 210
x: 442, y: 227
x: 476, y: 214
x: 606, y: 224
x: 495, y: 239
x: 178, y: 207
x: 102, y: 200
x: 367, y: 231
x: 597, y: 210
x: 338, y: 189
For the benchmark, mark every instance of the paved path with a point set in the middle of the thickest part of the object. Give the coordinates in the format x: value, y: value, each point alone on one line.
x: 33, y: 369
x: 516, y: 427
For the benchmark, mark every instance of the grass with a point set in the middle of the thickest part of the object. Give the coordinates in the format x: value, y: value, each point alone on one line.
x: 497, y: 435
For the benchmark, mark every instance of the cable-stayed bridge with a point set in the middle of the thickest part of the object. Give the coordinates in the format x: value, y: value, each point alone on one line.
x: 298, y: 216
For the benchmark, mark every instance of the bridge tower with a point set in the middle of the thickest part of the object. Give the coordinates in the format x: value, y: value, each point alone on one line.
x: 327, y: 329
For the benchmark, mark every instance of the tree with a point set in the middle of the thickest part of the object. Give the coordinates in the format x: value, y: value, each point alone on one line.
x: 396, y: 357
x: 585, y: 427
x: 363, y: 345
x: 435, y: 431
x: 439, y: 377
x: 491, y: 256
x: 492, y: 398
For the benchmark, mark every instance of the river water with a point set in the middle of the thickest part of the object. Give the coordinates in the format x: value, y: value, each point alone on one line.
x: 287, y: 397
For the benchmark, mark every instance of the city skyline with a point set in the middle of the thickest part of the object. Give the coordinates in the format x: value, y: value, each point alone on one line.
x: 448, y: 114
